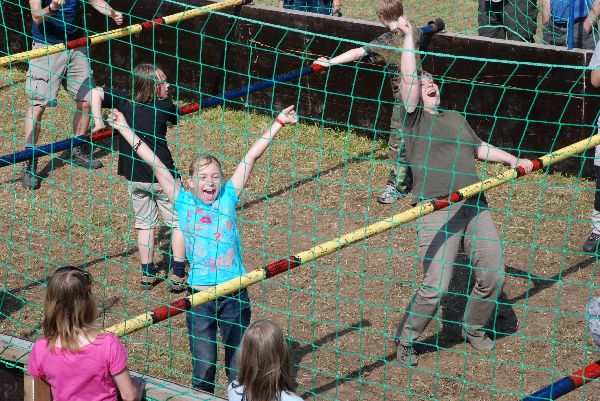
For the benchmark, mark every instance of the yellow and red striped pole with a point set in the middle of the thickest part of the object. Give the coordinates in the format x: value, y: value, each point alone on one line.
x: 117, y: 33
x: 326, y: 248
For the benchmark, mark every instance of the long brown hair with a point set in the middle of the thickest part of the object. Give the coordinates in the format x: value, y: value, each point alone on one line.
x: 264, y: 362
x: 145, y: 82
x: 69, y: 308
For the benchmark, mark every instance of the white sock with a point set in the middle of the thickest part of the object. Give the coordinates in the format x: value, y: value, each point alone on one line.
x: 596, y: 222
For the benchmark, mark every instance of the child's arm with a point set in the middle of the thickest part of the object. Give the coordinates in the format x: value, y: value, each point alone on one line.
x: 163, y: 175
x: 410, y: 87
x: 592, y: 17
x: 347, y: 57
x: 243, y: 170
x: 126, y: 387
x: 103, y: 8
x: 546, y: 11
x: 96, y: 104
x: 489, y: 153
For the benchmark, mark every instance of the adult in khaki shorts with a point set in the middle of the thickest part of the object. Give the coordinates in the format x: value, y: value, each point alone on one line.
x: 55, y: 21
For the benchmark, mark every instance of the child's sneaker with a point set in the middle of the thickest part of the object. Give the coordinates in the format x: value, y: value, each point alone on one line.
x: 479, y: 340
x: 389, y: 195
x: 406, y: 355
x: 591, y: 244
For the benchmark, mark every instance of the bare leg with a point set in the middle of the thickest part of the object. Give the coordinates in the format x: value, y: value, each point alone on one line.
x: 29, y: 178
x: 82, y: 155
x: 178, y: 244
x: 146, y: 245
x: 32, y: 124
x: 81, y: 119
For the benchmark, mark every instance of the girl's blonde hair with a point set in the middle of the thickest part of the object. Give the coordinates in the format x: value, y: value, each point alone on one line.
x: 144, y: 82
x: 69, y: 308
x: 201, y: 161
x: 264, y: 362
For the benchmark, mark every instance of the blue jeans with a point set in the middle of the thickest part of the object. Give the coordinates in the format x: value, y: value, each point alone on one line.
x: 311, y: 6
x: 232, y: 315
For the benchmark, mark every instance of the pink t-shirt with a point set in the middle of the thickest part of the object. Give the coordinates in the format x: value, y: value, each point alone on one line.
x: 85, y: 376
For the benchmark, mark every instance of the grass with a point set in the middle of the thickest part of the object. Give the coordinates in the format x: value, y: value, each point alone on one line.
x: 460, y: 16
x: 339, y: 311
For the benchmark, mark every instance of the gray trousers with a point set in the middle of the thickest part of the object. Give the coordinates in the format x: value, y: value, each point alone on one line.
x: 508, y: 19
x: 557, y: 35
x: 440, y: 236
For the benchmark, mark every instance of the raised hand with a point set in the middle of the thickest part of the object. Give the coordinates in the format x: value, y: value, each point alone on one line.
x: 117, y: 17
x: 405, y: 26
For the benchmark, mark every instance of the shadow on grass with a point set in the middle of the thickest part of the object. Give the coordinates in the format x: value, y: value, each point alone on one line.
x: 299, y: 350
x: 12, y: 84
x: 64, y: 160
x: 505, y: 321
x: 542, y: 283
x: 10, y: 303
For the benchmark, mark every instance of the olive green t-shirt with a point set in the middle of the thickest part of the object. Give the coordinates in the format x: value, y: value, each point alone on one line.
x: 441, y: 150
x: 392, y: 57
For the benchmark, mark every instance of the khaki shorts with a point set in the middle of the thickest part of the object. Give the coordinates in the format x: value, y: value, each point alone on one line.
x: 146, y: 198
x: 70, y: 68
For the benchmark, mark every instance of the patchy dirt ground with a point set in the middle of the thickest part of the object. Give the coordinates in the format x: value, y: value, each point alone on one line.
x: 339, y: 311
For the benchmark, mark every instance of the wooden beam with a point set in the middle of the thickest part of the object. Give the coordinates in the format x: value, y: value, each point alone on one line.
x: 36, y: 389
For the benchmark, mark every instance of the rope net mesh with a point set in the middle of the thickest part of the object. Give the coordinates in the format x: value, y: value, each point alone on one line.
x: 319, y: 180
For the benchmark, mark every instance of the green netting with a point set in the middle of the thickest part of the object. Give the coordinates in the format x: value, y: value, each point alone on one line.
x: 319, y: 180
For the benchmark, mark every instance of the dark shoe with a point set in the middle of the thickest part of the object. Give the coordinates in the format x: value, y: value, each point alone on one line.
x: 147, y: 283
x: 406, y: 355
x: 177, y: 284
x: 81, y: 156
x: 591, y: 244
x: 479, y: 340
x: 29, y: 178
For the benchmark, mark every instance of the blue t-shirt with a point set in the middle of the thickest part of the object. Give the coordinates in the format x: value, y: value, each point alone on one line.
x: 212, y: 241
x: 560, y: 9
x: 60, y: 27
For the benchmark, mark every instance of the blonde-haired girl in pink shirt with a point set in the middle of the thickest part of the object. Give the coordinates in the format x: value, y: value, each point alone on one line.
x: 78, y: 360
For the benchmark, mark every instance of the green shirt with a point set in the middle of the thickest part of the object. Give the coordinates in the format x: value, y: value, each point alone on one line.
x: 392, y: 57
x: 441, y: 150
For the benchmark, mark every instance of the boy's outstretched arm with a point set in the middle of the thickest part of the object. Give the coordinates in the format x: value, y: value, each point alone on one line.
x: 243, y: 170
x: 163, y: 175
x: 410, y: 88
x: 489, y: 153
x: 350, y: 55
x: 96, y: 105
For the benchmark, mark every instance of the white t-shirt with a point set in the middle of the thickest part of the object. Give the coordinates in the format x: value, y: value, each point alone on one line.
x: 595, y: 63
x: 236, y: 390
